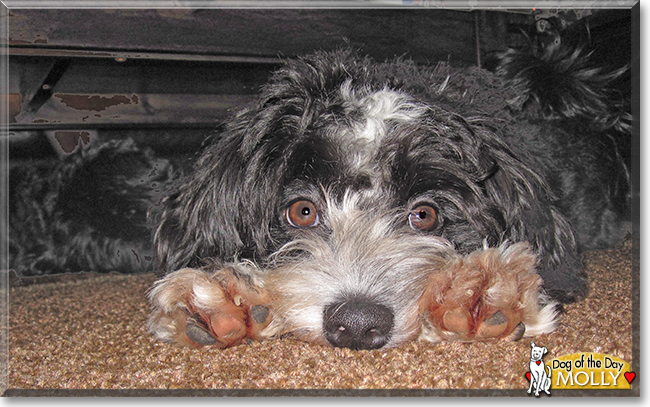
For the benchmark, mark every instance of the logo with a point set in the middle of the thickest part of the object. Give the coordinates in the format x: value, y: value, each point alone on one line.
x: 589, y: 370
x: 584, y: 371
x: 539, y: 374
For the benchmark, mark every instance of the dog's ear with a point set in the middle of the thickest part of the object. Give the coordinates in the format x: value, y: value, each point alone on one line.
x: 529, y: 211
x: 532, y: 344
x: 488, y: 191
x: 225, y: 209
x: 545, y: 350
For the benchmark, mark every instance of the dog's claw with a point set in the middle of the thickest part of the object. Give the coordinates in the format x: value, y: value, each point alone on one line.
x: 492, y: 327
x: 518, y: 333
x: 497, y: 319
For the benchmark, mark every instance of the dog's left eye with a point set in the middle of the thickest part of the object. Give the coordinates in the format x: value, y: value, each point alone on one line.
x: 423, y: 217
x: 302, y: 214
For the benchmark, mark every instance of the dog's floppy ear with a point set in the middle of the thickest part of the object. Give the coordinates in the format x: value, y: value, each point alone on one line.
x: 545, y: 350
x: 226, y: 207
x: 530, y: 214
x: 501, y: 196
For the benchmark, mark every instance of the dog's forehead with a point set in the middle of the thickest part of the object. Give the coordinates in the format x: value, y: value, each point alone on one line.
x: 380, y: 142
x: 363, y: 141
x: 379, y: 109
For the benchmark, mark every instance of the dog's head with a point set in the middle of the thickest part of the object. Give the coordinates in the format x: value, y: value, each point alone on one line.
x: 537, y: 352
x: 349, y: 185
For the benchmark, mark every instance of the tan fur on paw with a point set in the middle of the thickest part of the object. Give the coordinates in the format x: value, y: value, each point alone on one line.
x: 489, y: 294
x: 199, y: 308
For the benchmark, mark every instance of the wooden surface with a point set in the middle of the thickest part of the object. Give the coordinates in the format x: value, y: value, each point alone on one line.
x: 194, y: 67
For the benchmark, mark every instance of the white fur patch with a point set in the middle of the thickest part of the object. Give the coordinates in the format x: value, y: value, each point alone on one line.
x: 546, y: 321
x: 382, y: 107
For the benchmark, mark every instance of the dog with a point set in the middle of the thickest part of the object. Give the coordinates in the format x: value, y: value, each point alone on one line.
x: 540, y: 374
x: 88, y: 212
x: 364, y: 205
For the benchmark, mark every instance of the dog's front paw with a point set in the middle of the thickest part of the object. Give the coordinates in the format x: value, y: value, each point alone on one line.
x: 198, y: 308
x: 488, y: 294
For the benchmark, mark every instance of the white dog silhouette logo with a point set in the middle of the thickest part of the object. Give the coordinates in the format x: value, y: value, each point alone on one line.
x: 540, y: 374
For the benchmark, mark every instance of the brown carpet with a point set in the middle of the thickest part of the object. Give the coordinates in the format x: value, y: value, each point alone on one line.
x: 89, y: 333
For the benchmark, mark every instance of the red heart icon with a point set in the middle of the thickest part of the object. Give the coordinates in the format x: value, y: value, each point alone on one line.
x: 538, y: 362
x: 629, y: 376
x: 528, y: 376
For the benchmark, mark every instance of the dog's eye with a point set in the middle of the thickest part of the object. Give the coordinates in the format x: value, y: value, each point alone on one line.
x: 302, y: 214
x: 423, y: 217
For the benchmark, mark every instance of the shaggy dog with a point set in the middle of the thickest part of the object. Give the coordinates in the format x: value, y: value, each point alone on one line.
x: 363, y: 205
x: 87, y: 212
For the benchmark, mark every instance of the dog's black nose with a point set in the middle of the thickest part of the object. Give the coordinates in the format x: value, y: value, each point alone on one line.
x: 357, y: 324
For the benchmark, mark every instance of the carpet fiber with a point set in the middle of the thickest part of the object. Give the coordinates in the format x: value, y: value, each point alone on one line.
x: 88, y: 332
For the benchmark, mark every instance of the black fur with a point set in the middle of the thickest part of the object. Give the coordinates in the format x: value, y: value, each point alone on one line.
x: 86, y: 213
x: 559, y: 78
x: 491, y: 179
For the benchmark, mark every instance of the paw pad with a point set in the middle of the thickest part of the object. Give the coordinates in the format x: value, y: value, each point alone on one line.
x: 457, y: 320
x: 260, y: 313
x: 464, y: 325
x: 493, y: 326
x: 199, y: 334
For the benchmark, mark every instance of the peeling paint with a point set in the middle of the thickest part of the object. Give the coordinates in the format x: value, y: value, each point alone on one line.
x: 69, y: 141
x: 95, y: 102
x: 21, y: 32
x: 13, y: 100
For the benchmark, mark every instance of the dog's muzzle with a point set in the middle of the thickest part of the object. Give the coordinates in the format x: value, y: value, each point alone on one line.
x: 357, y: 324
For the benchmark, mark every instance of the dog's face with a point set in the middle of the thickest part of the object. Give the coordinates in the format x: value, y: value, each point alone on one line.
x: 537, y: 352
x: 347, y: 192
x: 362, y: 213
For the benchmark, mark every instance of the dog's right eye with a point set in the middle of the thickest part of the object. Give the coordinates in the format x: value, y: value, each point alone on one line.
x: 302, y: 214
